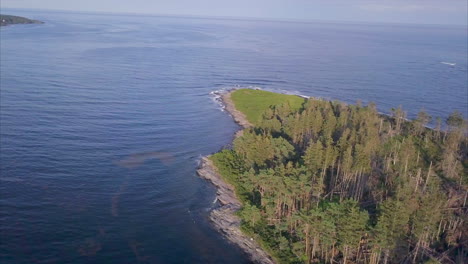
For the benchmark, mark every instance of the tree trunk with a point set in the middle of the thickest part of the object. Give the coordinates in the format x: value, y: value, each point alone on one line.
x: 416, y: 251
x: 428, y: 175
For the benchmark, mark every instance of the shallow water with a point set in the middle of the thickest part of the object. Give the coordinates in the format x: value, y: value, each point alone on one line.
x: 104, y: 118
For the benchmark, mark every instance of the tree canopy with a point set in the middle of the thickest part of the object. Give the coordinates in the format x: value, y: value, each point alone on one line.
x: 333, y: 183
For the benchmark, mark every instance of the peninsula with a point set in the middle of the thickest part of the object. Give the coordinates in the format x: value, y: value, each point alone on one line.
x: 314, y: 181
x: 6, y: 20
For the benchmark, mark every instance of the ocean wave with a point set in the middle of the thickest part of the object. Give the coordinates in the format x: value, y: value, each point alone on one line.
x: 11, y: 179
x: 216, y: 98
x: 198, y: 160
x: 448, y: 63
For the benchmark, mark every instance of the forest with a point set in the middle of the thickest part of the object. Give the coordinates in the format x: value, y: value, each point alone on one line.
x: 328, y: 182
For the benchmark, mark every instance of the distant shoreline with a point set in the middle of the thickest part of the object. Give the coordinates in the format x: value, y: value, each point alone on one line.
x: 6, y: 20
x: 224, y: 217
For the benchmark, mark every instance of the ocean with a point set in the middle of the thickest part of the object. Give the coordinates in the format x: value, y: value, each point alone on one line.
x: 104, y: 118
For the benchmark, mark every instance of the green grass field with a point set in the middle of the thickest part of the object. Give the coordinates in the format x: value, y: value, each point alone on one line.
x: 253, y: 103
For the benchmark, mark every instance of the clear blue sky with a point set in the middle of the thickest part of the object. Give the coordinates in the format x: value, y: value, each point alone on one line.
x: 399, y: 11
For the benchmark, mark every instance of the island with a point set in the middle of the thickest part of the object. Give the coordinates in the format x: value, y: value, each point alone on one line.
x: 314, y: 181
x: 6, y: 20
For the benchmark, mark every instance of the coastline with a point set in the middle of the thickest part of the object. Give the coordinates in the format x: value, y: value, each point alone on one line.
x: 7, y: 20
x: 237, y: 115
x: 224, y: 217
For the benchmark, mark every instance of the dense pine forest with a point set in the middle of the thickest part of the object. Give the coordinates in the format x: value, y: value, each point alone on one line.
x: 326, y: 182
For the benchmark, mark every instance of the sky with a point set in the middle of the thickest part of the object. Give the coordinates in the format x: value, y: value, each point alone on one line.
x: 392, y: 11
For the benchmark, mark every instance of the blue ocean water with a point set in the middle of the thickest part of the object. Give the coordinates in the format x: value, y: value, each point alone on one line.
x: 103, y: 119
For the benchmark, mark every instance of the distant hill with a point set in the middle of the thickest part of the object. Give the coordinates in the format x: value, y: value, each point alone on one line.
x: 6, y: 20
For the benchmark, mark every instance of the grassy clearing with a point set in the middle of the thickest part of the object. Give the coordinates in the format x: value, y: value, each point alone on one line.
x: 253, y: 103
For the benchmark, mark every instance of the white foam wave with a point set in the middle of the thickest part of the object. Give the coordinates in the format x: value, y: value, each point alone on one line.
x: 198, y: 160
x: 448, y: 63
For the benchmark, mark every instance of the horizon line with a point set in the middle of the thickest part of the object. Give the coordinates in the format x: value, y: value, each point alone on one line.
x: 239, y: 18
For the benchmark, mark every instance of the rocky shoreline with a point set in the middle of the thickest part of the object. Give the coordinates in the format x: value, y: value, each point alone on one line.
x: 237, y: 115
x: 224, y: 217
